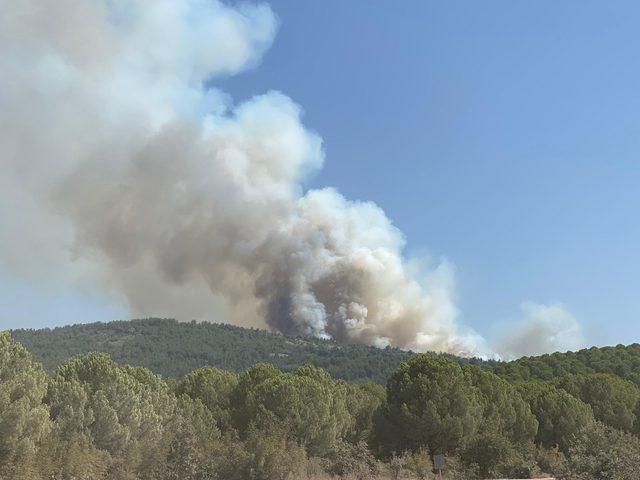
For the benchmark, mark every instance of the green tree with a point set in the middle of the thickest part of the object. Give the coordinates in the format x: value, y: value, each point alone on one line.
x: 301, y: 404
x: 560, y: 415
x: 196, y: 442
x: 127, y: 412
x: 275, y: 455
x: 24, y: 419
x: 430, y: 404
x: 214, y: 387
x: 488, y: 451
x: 602, y: 452
x: 507, y: 427
x: 243, y: 397
x: 503, y: 410
x: 71, y: 451
x: 614, y: 401
x: 363, y: 401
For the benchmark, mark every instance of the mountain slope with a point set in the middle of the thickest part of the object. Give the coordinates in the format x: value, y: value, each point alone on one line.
x: 622, y: 361
x: 173, y: 348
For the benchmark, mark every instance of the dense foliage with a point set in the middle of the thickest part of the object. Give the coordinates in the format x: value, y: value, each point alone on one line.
x: 621, y: 361
x: 173, y: 349
x: 92, y: 418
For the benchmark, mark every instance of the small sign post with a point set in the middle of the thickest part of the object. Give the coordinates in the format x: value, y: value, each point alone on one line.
x: 438, y: 463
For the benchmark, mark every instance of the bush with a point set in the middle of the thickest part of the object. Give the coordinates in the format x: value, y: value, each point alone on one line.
x: 603, y: 452
x: 356, y: 461
x: 419, y: 464
x: 552, y: 462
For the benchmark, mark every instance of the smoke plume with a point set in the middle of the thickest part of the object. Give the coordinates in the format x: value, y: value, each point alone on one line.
x: 544, y: 329
x: 124, y: 170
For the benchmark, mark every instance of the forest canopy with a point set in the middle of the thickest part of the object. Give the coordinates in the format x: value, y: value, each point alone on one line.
x: 91, y: 417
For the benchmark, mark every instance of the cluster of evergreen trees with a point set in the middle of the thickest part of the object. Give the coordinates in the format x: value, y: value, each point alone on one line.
x: 92, y: 418
x: 173, y: 349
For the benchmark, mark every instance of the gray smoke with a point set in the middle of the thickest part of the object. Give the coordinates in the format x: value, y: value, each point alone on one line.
x: 543, y: 329
x: 123, y: 173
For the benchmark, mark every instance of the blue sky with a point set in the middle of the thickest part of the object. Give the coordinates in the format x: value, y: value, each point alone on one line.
x: 502, y: 136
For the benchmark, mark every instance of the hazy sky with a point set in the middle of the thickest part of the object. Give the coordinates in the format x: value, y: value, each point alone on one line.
x: 501, y: 136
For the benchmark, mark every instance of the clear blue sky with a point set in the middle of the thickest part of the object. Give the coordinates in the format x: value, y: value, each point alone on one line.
x: 503, y: 136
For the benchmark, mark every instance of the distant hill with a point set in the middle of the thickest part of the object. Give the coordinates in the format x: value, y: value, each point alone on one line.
x: 622, y: 361
x: 173, y: 348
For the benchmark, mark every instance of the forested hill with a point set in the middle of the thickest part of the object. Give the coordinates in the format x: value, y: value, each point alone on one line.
x: 621, y: 361
x: 173, y: 348
x: 95, y: 418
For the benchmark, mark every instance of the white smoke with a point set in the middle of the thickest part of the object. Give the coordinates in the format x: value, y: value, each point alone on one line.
x: 121, y: 169
x: 124, y: 170
x: 544, y: 329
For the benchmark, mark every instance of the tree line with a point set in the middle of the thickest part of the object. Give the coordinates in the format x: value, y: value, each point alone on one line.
x: 95, y: 419
x: 173, y: 348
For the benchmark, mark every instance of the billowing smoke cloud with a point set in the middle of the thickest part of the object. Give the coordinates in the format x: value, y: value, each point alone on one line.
x: 544, y: 329
x: 124, y: 172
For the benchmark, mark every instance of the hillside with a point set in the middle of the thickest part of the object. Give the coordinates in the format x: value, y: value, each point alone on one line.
x: 173, y: 349
x: 621, y: 361
x: 99, y: 412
